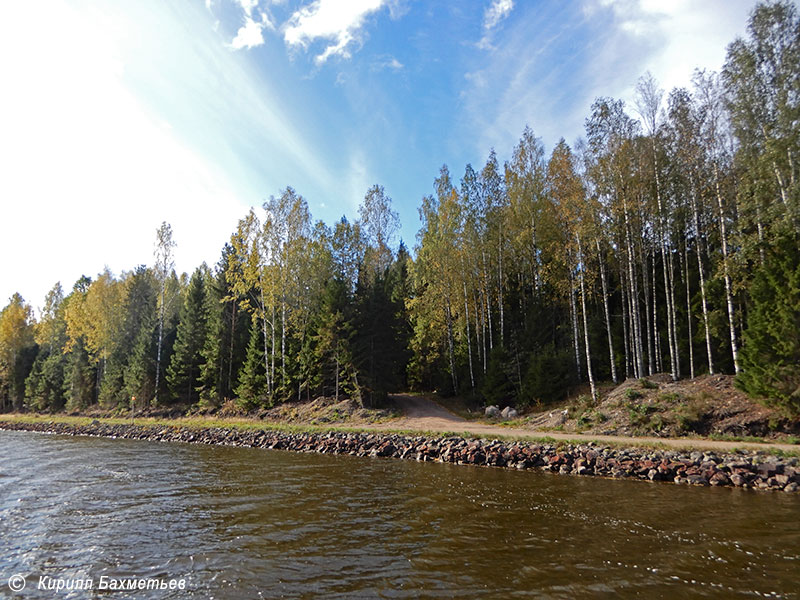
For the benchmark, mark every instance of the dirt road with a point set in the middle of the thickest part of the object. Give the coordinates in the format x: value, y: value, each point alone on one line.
x: 422, y: 414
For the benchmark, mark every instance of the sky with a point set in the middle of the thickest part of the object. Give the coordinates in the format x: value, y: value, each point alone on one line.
x: 116, y: 116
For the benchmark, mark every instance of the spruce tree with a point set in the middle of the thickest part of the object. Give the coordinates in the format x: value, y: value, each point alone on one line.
x: 211, y: 382
x: 78, y: 378
x: 252, y: 387
x: 140, y: 338
x: 183, y: 373
x: 44, y: 387
x: 332, y: 343
x: 141, y: 371
x: 771, y: 349
x: 497, y: 387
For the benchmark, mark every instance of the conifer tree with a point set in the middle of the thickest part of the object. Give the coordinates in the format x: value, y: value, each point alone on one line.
x: 44, y: 387
x: 252, y: 388
x: 771, y: 350
x: 333, y: 343
x: 78, y: 378
x: 498, y: 387
x: 140, y: 336
x: 183, y: 373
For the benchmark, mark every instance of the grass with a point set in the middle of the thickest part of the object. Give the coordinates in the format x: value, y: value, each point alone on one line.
x: 250, y: 424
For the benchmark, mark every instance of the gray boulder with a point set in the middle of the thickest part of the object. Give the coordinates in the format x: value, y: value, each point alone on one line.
x: 509, y: 413
x: 492, y: 412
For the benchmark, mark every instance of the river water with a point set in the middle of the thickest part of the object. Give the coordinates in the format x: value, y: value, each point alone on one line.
x: 249, y: 523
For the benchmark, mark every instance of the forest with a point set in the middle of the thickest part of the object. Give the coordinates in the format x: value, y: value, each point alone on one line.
x: 665, y: 240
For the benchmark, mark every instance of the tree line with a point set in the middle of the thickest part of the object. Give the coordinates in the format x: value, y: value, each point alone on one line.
x: 666, y: 240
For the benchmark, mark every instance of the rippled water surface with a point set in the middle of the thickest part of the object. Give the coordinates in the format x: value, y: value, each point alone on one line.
x: 248, y: 523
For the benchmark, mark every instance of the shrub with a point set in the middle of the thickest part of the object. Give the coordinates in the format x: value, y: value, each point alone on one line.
x: 632, y: 394
x: 647, y: 384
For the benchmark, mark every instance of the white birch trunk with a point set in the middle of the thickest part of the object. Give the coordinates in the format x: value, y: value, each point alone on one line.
x: 606, y: 312
x: 696, y: 215
x: 726, y: 270
x: 585, y: 322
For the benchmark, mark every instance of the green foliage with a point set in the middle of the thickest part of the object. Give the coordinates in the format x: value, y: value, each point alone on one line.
x: 550, y: 372
x: 632, y: 394
x: 380, y: 339
x: 252, y: 388
x: 44, y: 387
x: 332, y: 344
x: 498, y: 387
x: 771, y: 349
x: 78, y: 378
x: 140, y: 339
x: 140, y: 374
x: 183, y: 373
x: 647, y: 384
x: 17, y: 351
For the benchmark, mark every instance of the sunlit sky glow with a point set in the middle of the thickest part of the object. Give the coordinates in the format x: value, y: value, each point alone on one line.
x: 118, y: 115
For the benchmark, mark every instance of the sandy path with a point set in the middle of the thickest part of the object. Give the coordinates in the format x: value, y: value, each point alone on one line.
x: 422, y: 414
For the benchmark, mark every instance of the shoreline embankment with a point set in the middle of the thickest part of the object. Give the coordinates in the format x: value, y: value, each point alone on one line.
x: 743, y: 469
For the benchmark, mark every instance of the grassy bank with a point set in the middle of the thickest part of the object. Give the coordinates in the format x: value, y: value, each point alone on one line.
x: 251, y: 424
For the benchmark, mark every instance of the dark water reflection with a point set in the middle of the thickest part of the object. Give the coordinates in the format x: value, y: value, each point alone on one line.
x: 245, y: 523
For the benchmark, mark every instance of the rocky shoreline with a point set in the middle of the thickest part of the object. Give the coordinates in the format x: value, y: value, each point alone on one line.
x: 743, y: 469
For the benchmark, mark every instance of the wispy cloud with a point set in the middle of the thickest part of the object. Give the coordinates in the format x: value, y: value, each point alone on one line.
x: 675, y: 37
x: 494, y: 14
x: 553, y: 61
x: 339, y: 22
x: 387, y: 62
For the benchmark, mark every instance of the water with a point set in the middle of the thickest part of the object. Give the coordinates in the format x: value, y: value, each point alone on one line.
x: 248, y: 523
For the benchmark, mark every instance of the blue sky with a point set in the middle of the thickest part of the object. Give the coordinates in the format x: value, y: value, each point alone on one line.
x: 117, y: 115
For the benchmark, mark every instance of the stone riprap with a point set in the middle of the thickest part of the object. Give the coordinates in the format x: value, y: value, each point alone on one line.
x: 743, y: 469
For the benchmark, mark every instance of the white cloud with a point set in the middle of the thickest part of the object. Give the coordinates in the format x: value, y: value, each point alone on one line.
x: 249, y: 35
x: 496, y: 12
x: 339, y: 21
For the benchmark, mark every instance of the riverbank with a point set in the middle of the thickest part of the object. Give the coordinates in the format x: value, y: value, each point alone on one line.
x: 747, y: 469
